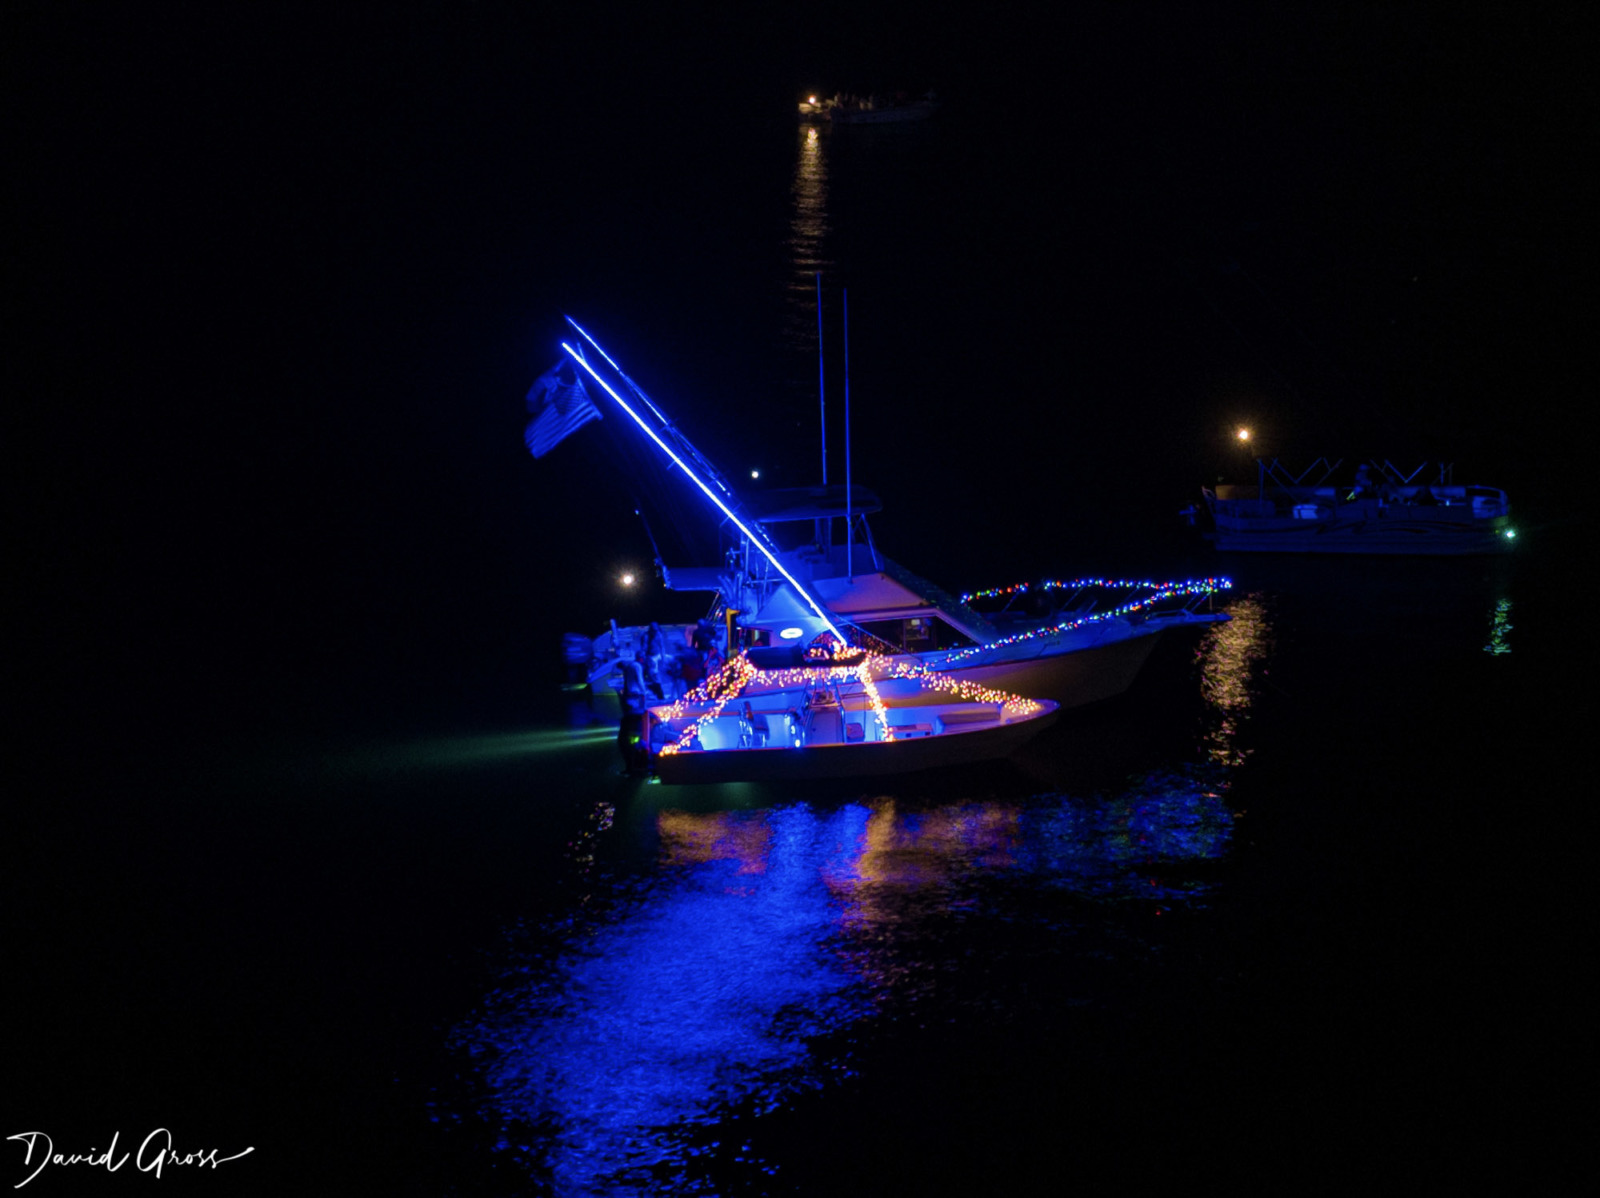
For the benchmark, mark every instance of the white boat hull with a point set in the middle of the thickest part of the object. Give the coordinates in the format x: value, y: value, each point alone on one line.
x: 939, y: 749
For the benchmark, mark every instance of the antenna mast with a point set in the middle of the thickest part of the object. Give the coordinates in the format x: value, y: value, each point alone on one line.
x: 822, y: 402
x: 849, y: 538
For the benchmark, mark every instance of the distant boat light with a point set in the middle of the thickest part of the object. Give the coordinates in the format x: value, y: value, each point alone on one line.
x: 812, y: 100
x: 790, y: 634
x: 1244, y: 434
x: 626, y: 580
x: 1511, y: 534
x: 755, y: 474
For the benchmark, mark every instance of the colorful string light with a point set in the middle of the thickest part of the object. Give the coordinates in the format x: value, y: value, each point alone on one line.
x: 973, y: 692
x: 1200, y: 586
x: 737, y: 673
x: 718, y: 690
x: 1161, y: 592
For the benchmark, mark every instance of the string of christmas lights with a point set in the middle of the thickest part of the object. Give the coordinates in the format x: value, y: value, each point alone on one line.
x: 738, y: 672
x: 878, y: 709
x: 735, y: 674
x: 717, y: 690
x: 1162, y: 593
x: 971, y: 691
x: 1194, y: 586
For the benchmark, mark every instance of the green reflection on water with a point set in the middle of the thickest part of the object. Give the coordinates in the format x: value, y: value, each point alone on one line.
x: 1500, y: 629
x: 455, y: 752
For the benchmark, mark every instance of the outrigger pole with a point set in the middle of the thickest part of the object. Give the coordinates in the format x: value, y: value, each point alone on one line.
x: 759, y: 542
x: 683, y: 442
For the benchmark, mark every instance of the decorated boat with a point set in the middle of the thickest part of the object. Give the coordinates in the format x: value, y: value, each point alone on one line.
x: 785, y: 714
x: 799, y: 567
x: 1074, y: 655
x: 1378, y: 509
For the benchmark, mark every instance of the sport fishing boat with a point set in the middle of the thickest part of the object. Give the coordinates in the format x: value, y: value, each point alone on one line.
x: 1381, y: 510
x: 1074, y: 655
x: 799, y: 567
x: 856, y: 715
x: 1087, y: 646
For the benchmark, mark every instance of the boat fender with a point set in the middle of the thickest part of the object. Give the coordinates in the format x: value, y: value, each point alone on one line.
x: 797, y: 729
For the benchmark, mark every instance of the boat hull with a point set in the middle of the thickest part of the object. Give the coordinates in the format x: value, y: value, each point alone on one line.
x: 869, y: 759
x: 1073, y: 679
x: 1445, y: 521
x: 1381, y: 536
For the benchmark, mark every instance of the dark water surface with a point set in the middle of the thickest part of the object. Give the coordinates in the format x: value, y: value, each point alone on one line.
x: 305, y: 853
x: 1298, y: 907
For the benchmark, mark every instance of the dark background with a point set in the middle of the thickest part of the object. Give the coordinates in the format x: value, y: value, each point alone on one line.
x: 280, y: 276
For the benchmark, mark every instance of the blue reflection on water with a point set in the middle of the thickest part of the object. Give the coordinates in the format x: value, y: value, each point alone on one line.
x: 1096, y: 848
x: 762, y: 931
x: 698, y: 994
x: 749, y: 958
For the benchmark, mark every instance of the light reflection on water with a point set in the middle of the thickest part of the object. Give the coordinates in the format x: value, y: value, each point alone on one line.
x: 808, y: 253
x: 752, y: 952
x: 807, y: 243
x: 765, y: 941
x: 1500, y: 630
x: 1229, y: 657
x: 698, y: 993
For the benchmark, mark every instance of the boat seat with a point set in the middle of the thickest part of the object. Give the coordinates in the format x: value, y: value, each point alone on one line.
x: 754, y: 732
x: 967, y: 719
x: 824, y: 726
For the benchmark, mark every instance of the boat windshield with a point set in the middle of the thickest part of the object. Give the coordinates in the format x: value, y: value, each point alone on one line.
x: 917, y: 634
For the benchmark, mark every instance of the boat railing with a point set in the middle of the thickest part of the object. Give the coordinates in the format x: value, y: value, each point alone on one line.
x: 1406, y: 478
x: 1273, y: 473
x: 1275, y: 470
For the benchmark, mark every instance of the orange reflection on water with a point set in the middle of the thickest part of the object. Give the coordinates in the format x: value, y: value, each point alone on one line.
x: 887, y: 852
x: 1228, y: 656
x: 923, y: 849
x: 700, y: 839
x: 808, y: 228
x: 909, y: 864
x: 810, y: 231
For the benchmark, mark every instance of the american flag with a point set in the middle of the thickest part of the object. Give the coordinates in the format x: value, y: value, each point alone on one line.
x: 559, y: 406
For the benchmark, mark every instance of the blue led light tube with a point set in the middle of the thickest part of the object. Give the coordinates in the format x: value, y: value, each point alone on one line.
x: 709, y: 494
